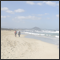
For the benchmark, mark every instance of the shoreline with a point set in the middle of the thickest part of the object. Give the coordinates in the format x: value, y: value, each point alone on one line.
x: 44, y: 39
x: 26, y: 48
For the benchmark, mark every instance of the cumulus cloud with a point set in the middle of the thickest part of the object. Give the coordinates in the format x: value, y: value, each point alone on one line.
x: 12, y: 12
x: 19, y: 10
x: 4, y: 16
x: 6, y: 10
x: 42, y: 14
x: 27, y: 17
x: 29, y: 2
x: 20, y: 17
x: 57, y: 15
x: 39, y: 3
x: 50, y: 3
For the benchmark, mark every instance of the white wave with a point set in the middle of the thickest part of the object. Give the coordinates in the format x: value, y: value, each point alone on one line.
x: 37, y: 34
x: 57, y: 31
x: 57, y: 36
x: 33, y: 33
x: 50, y: 31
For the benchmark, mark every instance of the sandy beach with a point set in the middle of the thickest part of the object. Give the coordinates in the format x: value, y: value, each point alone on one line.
x: 26, y: 48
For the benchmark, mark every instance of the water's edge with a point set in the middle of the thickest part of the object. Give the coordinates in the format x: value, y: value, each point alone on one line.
x: 44, y: 39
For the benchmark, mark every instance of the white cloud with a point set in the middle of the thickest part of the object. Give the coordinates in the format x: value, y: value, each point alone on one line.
x: 6, y: 10
x: 4, y: 16
x: 29, y: 2
x: 39, y: 3
x: 50, y: 3
x: 20, y: 17
x: 57, y: 15
x: 27, y: 17
x: 42, y: 14
x: 12, y: 12
x: 19, y: 10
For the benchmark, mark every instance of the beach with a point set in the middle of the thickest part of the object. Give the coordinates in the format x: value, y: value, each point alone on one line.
x: 26, y: 48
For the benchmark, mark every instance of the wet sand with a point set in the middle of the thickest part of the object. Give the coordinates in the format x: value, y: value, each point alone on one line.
x: 26, y: 48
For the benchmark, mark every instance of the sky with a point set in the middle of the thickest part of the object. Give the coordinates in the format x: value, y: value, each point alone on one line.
x: 29, y: 14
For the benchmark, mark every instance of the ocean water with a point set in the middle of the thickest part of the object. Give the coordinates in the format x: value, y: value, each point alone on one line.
x: 46, y: 33
x: 49, y: 36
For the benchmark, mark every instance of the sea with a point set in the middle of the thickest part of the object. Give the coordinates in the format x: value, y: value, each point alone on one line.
x: 49, y: 36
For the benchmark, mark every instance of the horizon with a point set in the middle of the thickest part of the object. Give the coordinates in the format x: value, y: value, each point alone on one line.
x: 30, y: 28
x: 30, y: 14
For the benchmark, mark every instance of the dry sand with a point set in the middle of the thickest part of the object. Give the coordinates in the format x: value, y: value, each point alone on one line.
x: 26, y: 48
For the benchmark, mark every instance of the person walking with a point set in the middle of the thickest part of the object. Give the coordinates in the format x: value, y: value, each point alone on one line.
x: 19, y: 33
x: 15, y: 33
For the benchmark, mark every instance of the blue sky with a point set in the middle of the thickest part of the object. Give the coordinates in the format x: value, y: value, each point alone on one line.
x: 29, y: 14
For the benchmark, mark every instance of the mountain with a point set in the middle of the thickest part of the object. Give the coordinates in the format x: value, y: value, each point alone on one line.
x: 36, y: 28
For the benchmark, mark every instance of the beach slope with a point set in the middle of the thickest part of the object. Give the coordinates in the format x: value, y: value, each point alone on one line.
x: 26, y: 48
